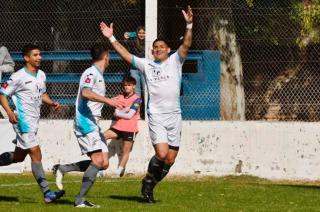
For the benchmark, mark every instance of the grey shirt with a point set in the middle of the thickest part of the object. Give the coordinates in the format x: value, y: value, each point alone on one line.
x: 6, y: 61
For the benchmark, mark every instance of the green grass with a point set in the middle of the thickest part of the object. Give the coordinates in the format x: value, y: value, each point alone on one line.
x: 243, y: 193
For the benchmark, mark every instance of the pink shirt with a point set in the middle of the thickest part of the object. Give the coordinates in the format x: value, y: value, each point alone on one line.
x: 129, y: 125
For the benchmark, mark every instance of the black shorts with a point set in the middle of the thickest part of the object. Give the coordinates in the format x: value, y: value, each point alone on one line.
x: 126, y: 136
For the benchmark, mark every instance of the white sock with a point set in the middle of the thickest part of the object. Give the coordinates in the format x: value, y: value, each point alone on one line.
x: 119, y: 170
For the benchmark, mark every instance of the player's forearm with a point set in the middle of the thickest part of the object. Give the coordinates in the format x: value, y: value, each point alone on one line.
x: 92, y: 96
x: 187, y: 41
x: 122, y: 51
x: 47, y: 100
x: 5, y: 104
x: 125, y: 115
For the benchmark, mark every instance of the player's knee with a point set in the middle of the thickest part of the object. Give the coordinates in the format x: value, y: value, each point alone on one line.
x: 170, y: 161
x: 162, y: 155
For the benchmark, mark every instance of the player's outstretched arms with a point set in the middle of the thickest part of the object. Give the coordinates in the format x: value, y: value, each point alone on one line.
x: 122, y: 51
x: 13, y: 119
x: 47, y: 100
x: 92, y: 96
x: 187, y: 39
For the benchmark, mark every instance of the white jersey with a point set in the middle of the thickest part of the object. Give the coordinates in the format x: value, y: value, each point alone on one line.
x: 26, y: 90
x: 163, y: 83
x: 88, y: 112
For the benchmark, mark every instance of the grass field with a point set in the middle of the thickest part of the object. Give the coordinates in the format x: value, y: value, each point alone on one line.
x: 242, y: 193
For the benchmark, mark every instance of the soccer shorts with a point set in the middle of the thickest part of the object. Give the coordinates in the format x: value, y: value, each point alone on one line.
x: 26, y: 140
x: 165, y: 128
x: 125, y: 136
x: 92, y: 141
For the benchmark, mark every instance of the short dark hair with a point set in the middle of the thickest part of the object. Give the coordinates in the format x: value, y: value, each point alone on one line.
x: 97, y: 52
x: 160, y: 39
x: 28, y: 48
x: 129, y: 80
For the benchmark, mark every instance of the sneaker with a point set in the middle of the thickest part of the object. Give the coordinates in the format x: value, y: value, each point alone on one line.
x: 101, y: 173
x: 120, y: 171
x: 86, y: 204
x: 51, y: 196
x: 147, y: 190
x: 59, y: 176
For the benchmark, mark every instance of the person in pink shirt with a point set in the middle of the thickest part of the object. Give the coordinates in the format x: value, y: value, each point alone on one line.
x: 126, y: 125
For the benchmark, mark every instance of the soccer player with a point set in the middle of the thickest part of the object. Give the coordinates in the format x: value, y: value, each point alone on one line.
x: 28, y: 90
x: 125, y: 127
x: 126, y: 124
x: 89, y: 103
x: 163, y: 79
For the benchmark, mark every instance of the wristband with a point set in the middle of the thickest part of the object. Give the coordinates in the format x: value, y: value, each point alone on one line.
x: 112, y: 39
x: 189, y: 25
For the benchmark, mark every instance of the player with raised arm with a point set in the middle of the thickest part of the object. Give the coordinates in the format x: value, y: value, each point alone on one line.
x: 163, y: 79
x: 90, y: 100
x: 28, y: 90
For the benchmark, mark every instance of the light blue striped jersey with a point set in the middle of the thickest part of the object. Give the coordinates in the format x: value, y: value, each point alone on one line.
x: 88, y: 112
x: 26, y: 90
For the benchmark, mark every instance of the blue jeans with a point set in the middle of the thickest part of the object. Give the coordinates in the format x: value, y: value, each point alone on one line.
x: 138, y: 76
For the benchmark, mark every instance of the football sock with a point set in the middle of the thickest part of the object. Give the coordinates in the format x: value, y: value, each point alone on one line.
x: 38, y: 173
x: 155, y: 169
x: 6, y: 158
x: 87, y: 181
x: 80, y: 166
x: 165, y: 171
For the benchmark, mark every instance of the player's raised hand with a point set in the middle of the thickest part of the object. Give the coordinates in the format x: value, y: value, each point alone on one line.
x: 188, y: 15
x: 106, y: 31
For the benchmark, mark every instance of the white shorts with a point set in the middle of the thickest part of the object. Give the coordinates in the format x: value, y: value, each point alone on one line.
x: 92, y: 142
x: 26, y: 140
x: 165, y: 128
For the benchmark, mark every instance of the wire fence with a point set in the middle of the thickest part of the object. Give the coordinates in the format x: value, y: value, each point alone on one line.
x: 265, y: 40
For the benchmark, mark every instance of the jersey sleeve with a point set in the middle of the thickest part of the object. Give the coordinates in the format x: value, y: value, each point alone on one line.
x: 136, y: 104
x: 178, y: 59
x: 138, y: 63
x: 10, y: 86
x: 87, y: 80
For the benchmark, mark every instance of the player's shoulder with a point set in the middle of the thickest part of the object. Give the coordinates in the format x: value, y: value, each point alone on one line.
x: 20, y: 74
x: 90, y: 71
x: 41, y: 74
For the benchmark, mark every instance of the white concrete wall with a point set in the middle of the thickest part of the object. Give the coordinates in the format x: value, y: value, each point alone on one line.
x: 273, y: 150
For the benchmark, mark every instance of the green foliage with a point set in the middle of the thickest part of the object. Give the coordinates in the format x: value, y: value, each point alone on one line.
x: 308, y: 17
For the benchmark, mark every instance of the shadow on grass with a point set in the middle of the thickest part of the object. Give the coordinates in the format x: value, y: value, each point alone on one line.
x: 315, y: 187
x: 129, y: 198
x: 64, y: 202
x: 8, y: 199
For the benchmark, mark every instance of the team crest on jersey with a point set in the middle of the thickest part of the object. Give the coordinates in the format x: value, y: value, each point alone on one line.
x: 88, y: 80
x: 5, y: 85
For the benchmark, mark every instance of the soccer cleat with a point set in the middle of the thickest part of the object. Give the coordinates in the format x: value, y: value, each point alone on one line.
x: 147, y: 190
x: 86, y: 204
x: 59, y: 176
x: 51, y: 196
